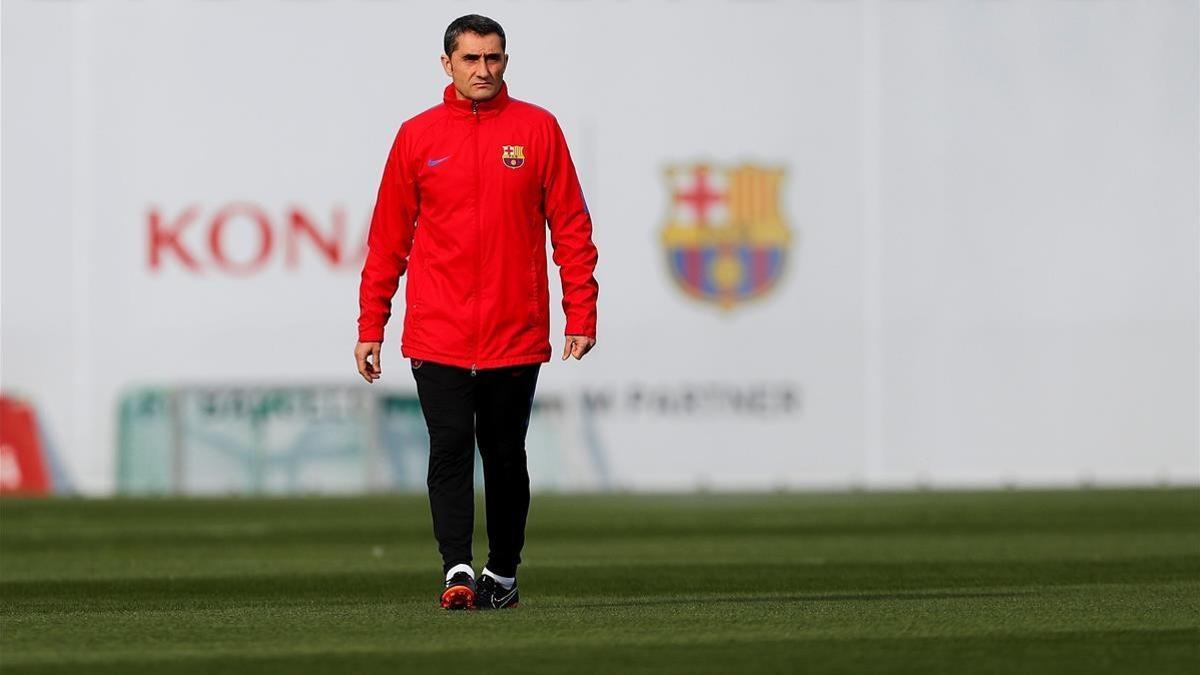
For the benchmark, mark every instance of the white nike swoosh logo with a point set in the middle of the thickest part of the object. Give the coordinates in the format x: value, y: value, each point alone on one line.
x: 435, y: 162
x: 497, y: 602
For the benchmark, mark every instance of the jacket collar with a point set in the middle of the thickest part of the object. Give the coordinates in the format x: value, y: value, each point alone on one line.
x: 486, y: 108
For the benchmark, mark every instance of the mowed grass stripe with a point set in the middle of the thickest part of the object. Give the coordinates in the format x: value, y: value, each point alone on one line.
x: 628, y: 516
x: 682, y: 577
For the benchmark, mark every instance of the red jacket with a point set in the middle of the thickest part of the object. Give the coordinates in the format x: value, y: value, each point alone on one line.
x: 466, y: 195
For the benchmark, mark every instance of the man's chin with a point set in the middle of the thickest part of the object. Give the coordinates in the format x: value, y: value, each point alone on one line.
x: 482, y: 93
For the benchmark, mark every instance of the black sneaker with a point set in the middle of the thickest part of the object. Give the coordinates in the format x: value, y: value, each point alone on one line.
x: 459, y: 592
x: 491, y: 595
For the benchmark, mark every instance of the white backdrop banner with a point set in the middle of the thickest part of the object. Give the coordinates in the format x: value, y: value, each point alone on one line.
x: 877, y: 243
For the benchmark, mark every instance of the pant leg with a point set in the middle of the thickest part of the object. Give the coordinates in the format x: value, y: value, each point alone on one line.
x: 503, y: 404
x: 447, y: 396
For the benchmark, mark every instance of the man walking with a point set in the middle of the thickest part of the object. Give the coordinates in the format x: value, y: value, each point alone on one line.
x: 468, y: 190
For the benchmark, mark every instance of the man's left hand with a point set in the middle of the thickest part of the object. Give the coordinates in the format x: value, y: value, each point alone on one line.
x: 577, y: 346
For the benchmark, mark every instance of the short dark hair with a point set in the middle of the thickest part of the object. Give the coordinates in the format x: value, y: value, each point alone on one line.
x: 471, y: 23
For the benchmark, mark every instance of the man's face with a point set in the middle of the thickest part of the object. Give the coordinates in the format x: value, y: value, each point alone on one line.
x: 476, y: 66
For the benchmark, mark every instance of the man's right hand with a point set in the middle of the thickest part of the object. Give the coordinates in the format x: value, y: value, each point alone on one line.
x: 369, y: 369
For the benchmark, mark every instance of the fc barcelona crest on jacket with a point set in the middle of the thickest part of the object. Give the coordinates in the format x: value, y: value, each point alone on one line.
x: 513, y: 156
x: 725, y: 237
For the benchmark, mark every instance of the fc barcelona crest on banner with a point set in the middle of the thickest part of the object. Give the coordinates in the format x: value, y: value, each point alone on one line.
x: 513, y: 156
x: 726, y: 237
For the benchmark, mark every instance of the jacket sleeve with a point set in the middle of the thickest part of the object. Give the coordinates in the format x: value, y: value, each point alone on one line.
x: 389, y: 240
x: 571, y: 235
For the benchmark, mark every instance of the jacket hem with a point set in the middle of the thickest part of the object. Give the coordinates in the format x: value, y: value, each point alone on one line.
x: 466, y: 362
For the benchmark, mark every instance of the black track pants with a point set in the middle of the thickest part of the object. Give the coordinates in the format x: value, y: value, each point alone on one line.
x: 491, y: 407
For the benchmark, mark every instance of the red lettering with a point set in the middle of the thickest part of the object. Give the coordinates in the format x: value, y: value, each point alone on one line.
x: 223, y: 217
x: 300, y: 225
x: 165, y: 237
x: 255, y: 239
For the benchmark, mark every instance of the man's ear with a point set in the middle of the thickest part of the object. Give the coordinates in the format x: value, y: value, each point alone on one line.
x: 446, y: 66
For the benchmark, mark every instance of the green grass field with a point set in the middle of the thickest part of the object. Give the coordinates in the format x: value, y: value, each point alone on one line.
x: 1015, y: 581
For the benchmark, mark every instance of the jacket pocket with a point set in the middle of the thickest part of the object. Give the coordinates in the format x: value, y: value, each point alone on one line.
x: 412, y: 297
x: 535, y: 308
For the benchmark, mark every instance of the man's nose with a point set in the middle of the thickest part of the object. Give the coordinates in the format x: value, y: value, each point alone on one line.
x: 481, y: 69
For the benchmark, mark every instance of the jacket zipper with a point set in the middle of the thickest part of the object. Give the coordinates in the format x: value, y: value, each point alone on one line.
x: 478, y: 234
